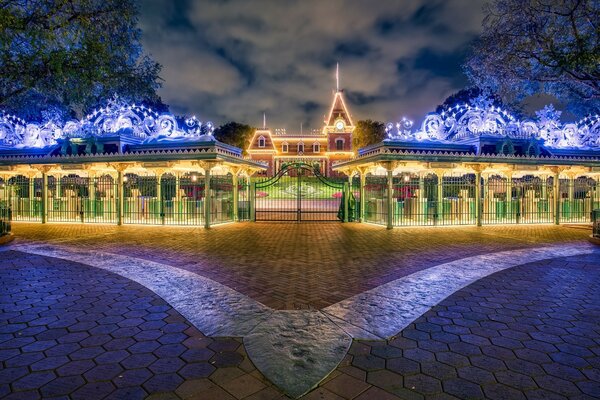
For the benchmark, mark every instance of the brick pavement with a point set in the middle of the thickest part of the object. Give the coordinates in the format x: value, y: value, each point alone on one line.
x: 67, y: 329
x: 299, y: 266
x: 531, y: 331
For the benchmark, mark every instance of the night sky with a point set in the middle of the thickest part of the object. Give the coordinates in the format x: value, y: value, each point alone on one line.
x: 235, y: 59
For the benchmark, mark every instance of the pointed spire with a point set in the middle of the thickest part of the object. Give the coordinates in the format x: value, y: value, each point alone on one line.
x: 337, y: 77
x: 264, y: 120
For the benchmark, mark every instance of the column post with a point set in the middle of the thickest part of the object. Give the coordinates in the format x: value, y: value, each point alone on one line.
x: 120, y: 196
x: 32, y: 195
x: 390, y: 197
x: 571, y: 187
x: 159, y: 201
x: 91, y: 194
x: 44, y: 197
x: 556, y: 188
x: 440, y: 194
x: 236, y: 195
x: 478, y: 196
x: 363, y: 200
x: 207, y: 196
x: 509, y: 175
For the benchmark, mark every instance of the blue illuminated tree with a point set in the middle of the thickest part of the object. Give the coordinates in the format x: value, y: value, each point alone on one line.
x: 60, y: 58
x: 535, y: 46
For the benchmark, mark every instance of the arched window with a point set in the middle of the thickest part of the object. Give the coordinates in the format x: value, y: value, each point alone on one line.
x: 316, y: 147
x: 261, y: 141
x: 339, y: 144
x: 301, y: 147
x: 285, y: 147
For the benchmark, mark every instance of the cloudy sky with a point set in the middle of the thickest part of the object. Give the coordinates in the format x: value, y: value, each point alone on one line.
x: 235, y: 59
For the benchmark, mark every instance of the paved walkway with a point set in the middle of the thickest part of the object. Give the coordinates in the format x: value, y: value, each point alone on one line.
x: 300, y: 266
x: 498, y: 320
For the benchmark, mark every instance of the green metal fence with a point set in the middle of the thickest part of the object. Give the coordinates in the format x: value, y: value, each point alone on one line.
x: 376, y: 199
x: 221, y: 201
x: 23, y: 196
x: 74, y: 198
x: 525, y: 200
x: 457, y: 200
x: 243, y: 199
x: 578, y: 197
x: 415, y: 200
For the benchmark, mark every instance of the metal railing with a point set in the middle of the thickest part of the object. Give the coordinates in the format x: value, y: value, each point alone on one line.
x: 596, y: 223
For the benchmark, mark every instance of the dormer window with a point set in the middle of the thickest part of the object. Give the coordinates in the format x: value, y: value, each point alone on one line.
x: 316, y: 147
x: 261, y: 141
x: 300, y: 147
x: 285, y: 147
x: 339, y: 144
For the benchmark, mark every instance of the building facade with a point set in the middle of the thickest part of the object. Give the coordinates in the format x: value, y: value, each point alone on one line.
x: 124, y: 164
x: 323, y: 148
x: 479, y: 165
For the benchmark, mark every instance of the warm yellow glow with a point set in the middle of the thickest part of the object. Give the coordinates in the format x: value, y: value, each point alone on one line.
x: 299, y: 138
x: 301, y: 156
x: 344, y: 153
x: 262, y: 151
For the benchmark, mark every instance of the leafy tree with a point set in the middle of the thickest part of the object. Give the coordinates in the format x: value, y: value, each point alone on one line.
x: 466, y: 96
x: 235, y: 134
x: 368, y: 132
x: 536, y: 46
x: 64, y: 57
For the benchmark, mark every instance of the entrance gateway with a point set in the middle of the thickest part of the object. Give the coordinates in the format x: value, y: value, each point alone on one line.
x: 299, y: 192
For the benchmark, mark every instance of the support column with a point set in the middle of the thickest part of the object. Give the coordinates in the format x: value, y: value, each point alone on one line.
x: 440, y: 195
x: 159, y: 201
x: 207, y: 197
x: 478, y: 197
x: 91, y: 195
x: 557, y: 197
x: 120, y: 197
x: 236, y: 196
x: 363, y: 200
x: 32, y: 195
x: 571, y: 188
x: 509, y: 195
x: 390, y: 198
x: 44, y: 197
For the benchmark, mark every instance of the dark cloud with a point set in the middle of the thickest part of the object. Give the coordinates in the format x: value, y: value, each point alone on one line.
x: 235, y: 59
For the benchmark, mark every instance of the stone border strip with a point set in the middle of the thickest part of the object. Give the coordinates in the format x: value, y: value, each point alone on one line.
x: 384, y: 311
x: 215, y: 309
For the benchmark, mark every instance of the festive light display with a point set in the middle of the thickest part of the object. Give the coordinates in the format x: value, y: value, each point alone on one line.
x: 117, y: 118
x: 465, y: 121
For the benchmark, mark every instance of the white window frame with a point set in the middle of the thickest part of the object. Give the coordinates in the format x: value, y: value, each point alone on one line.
x: 285, y: 147
x: 316, y: 147
x: 300, y: 144
x: 261, y: 141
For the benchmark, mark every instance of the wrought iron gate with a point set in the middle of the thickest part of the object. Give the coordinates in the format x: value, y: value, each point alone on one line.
x: 298, y: 192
